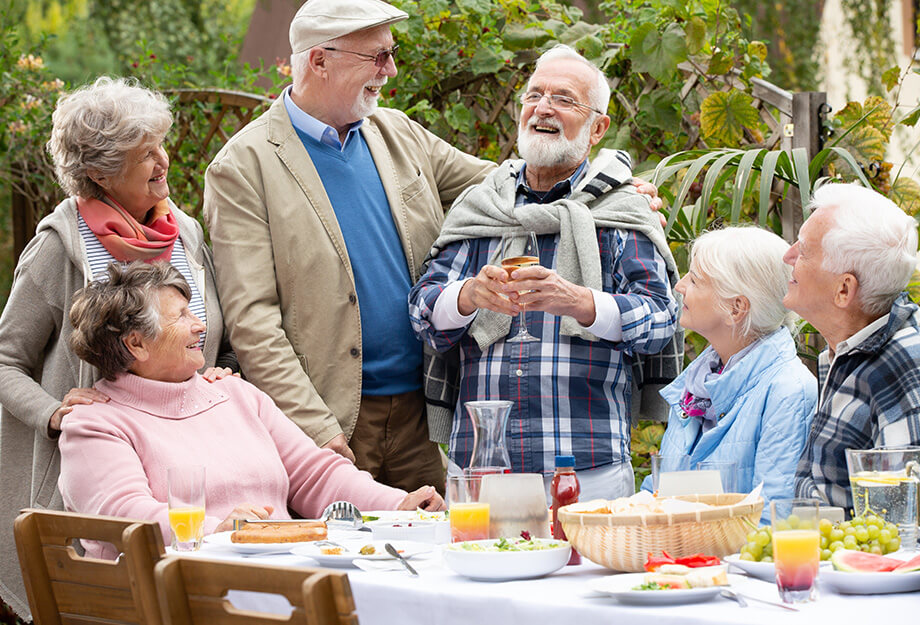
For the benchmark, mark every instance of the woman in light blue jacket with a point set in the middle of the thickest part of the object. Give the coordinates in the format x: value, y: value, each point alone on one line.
x: 746, y: 398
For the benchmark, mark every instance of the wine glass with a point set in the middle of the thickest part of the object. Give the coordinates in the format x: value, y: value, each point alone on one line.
x: 515, y: 256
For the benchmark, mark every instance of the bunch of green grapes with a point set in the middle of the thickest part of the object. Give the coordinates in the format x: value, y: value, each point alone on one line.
x: 868, y: 533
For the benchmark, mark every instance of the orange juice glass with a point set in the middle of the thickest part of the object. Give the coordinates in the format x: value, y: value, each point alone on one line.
x: 469, y: 517
x: 796, y: 548
x: 186, y: 499
x: 469, y: 521
x: 187, y: 523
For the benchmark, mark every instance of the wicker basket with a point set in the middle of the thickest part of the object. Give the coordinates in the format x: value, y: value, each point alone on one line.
x: 622, y: 542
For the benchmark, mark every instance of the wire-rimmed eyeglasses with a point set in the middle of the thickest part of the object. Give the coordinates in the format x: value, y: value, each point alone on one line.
x: 380, y: 59
x: 558, y: 102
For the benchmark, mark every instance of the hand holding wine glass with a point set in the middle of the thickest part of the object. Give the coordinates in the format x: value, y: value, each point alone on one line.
x: 515, y: 256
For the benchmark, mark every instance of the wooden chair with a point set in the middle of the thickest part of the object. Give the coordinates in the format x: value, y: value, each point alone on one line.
x: 192, y: 592
x: 66, y: 588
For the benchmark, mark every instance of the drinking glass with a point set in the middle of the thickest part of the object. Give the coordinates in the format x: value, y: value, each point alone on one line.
x: 727, y: 471
x: 884, y: 482
x: 469, y: 516
x: 796, y: 547
x: 678, y: 463
x: 514, y: 255
x: 186, y: 500
x: 517, y: 503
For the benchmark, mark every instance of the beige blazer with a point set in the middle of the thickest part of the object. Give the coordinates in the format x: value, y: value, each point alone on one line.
x: 284, y: 277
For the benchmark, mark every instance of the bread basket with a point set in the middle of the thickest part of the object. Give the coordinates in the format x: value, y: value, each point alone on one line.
x: 622, y: 541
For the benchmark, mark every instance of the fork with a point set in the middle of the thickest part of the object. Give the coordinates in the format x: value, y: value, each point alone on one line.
x: 345, y: 512
x: 742, y: 600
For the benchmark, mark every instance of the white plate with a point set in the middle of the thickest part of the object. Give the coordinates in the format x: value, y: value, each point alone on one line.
x: 405, y: 548
x: 499, y: 566
x: 761, y: 570
x: 620, y: 587
x: 222, y: 539
x: 405, y: 515
x: 869, y: 583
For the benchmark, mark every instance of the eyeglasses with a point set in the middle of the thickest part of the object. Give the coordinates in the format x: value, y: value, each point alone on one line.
x: 558, y: 102
x: 380, y: 59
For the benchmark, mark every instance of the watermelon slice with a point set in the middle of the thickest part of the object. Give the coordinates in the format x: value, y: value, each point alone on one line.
x: 910, y: 566
x: 853, y: 561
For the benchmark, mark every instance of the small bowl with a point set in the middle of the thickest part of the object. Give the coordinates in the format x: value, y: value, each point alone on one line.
x: 497, y: 566
x: 418, y: 531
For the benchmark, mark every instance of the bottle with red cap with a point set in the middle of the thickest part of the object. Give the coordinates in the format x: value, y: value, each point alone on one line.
x: 564, y: 490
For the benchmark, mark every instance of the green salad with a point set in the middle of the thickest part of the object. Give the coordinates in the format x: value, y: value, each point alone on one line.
x: 504, y: 544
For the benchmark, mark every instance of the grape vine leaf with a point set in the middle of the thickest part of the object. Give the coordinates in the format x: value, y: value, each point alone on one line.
x: 725, y: 115
x: 905, y: 192
x: 658, y: 54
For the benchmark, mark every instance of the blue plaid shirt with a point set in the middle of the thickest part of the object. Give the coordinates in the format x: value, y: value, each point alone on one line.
x: 869, y: 396
x: 571, y: 396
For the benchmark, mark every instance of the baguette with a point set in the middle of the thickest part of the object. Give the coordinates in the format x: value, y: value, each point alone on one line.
x: 268, y: 532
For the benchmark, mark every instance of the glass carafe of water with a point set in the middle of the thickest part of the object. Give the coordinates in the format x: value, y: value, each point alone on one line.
x: 490, y: 454
x: 884, y: 481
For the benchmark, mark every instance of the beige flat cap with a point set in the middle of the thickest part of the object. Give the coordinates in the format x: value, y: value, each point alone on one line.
x: 318, y: 21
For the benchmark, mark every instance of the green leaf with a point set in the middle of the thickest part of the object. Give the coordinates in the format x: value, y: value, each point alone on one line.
x: 658, y: 55
x: 911, y: 118
x: 696, y: 34
x: 576, y: 32
x: 486, y: 61
x: 905, y: 192
x: 890, y: 77
x: 725, y: 115
x: 516, y: 37
x: 865, y: 143
x: 662, y: 109
x: 758, y: 50
x: 459, y: 117
x: 480, y: 7
x: 589, y: 46
x: 645, y: 439
x: 720, y: 63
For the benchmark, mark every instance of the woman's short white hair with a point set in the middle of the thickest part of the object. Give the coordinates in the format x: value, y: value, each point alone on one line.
x: 871, y: 238
x: 599, y: 92
x: 95, y: 127
x: 747, y: 261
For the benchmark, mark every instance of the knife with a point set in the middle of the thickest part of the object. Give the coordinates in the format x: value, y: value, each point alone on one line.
x: 392, y: 551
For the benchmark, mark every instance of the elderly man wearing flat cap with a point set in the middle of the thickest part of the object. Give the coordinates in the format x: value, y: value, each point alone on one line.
x: 321, y: 212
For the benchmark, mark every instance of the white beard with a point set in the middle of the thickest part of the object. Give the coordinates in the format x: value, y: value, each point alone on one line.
x: 548, y: 150
x: 365, y: 106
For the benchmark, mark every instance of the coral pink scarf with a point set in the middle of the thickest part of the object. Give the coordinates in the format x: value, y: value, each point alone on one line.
x: 124, y: 237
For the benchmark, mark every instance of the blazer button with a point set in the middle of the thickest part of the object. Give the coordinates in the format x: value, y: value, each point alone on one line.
x: 352, y: 298
x: 354, y: 352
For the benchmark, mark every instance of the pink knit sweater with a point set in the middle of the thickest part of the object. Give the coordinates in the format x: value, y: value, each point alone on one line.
x: 114, y: 455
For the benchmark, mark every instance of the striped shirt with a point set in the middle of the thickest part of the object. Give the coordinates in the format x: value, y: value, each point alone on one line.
x: 99, y: 258
x: 869, y: 396
x: 571, y: 396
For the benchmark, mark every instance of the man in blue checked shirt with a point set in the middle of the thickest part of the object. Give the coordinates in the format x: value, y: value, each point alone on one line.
x: 600, y: 296
x: 852, y: 261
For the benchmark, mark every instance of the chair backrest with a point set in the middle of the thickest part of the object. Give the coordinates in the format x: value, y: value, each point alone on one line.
x: 192, y: 591
x: 64, y: 587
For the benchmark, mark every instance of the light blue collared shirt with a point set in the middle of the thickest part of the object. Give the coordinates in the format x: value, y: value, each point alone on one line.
x: 305, y: 123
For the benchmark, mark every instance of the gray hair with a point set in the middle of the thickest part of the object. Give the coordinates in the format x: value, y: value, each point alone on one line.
x: 871, y: 238
x: 747, y: 261
x: 95, y: 127
x: 106, y: 311
x: 599, y: 92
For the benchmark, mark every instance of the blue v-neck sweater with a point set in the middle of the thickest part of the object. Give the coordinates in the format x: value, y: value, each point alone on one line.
x: 392, y: 358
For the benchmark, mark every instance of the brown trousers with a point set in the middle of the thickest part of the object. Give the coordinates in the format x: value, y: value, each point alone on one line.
x: 391, y: 443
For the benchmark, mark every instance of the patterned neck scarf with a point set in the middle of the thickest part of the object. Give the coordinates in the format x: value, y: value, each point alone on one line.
x: 124, y: 237
x: 696, y: 401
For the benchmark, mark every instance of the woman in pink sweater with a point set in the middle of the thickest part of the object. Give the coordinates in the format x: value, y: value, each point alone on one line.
x: 136, y: 328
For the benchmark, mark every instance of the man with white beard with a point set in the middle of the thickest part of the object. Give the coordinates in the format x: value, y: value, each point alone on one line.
x: 320, y: 213
x: 599, y: 296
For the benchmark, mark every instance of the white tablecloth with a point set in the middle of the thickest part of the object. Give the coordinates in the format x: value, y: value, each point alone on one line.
x: 440, y: 597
